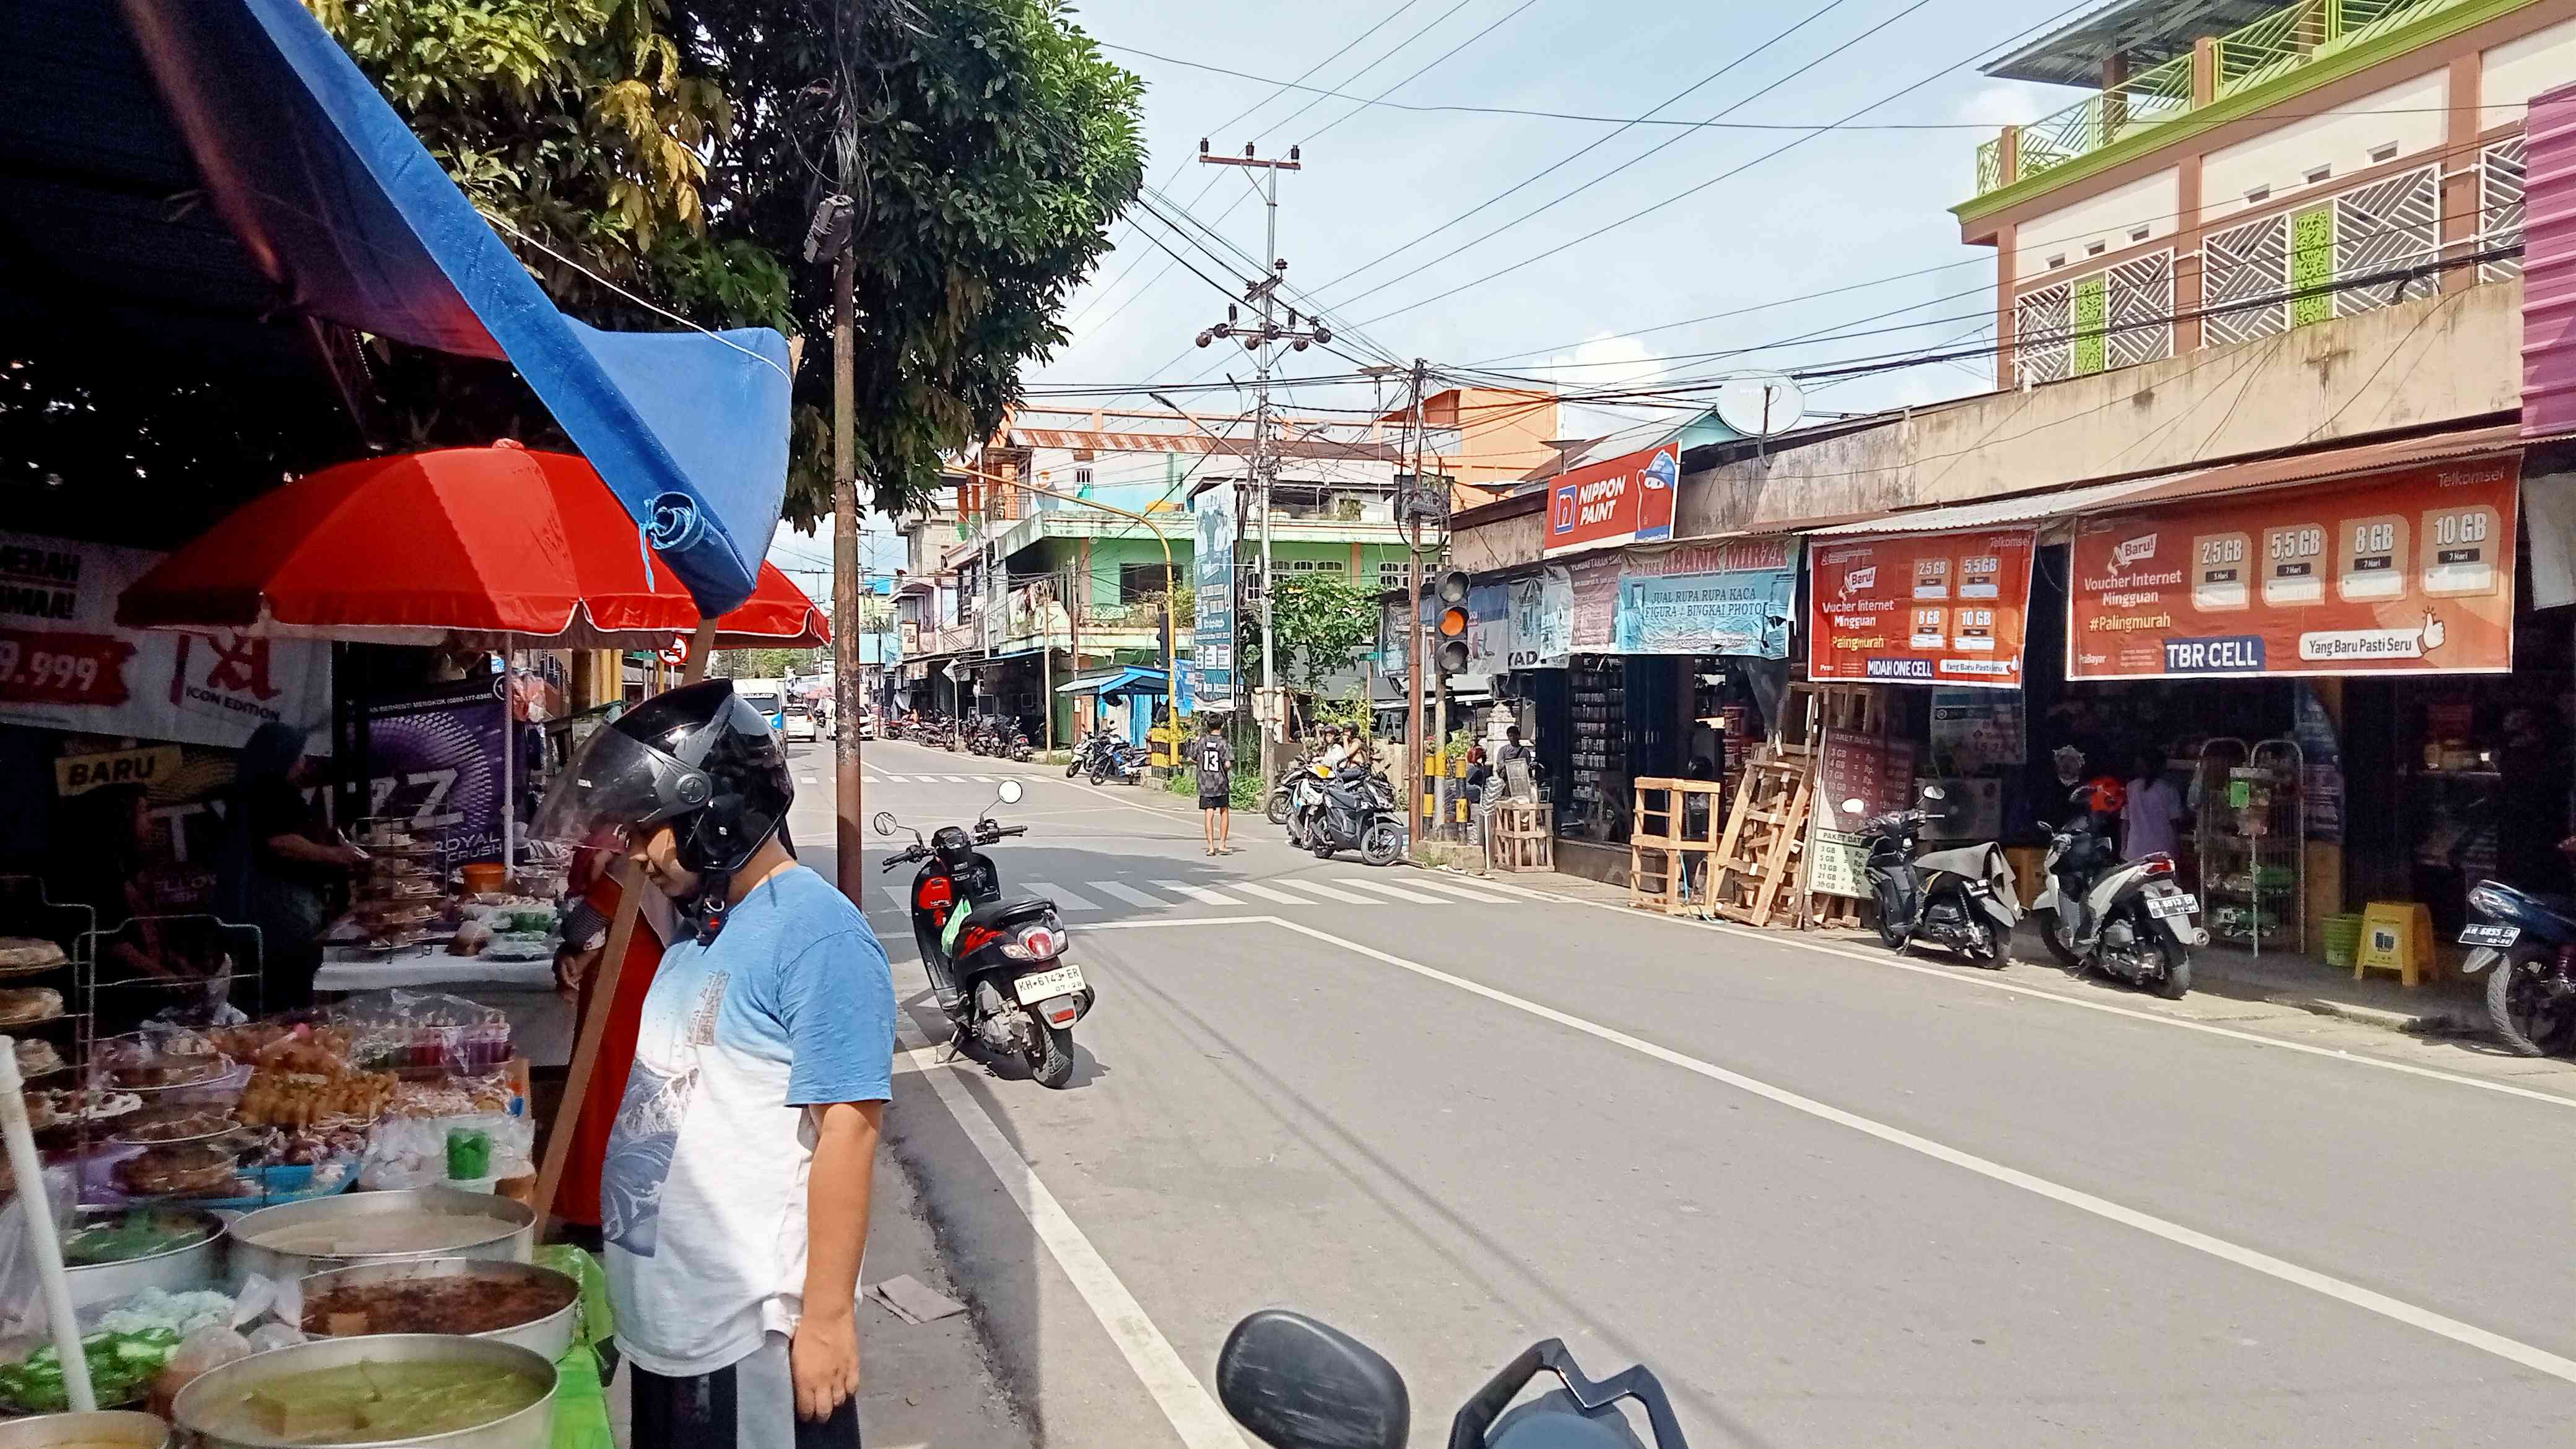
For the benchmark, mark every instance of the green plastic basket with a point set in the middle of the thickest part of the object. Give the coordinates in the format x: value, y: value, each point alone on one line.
x: 2343, y: 939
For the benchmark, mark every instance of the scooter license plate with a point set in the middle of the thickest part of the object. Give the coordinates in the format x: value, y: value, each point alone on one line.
x: 2486, y: 935
x: 2165, y: 908
x: 1064, y: 980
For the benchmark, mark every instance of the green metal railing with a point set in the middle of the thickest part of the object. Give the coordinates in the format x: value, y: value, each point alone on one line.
x: 2284, y: 41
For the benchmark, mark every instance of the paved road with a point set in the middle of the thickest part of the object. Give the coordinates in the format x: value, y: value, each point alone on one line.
x: 1829, y: 1202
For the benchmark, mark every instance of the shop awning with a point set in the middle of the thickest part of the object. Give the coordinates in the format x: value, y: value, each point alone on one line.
x: 1131, y: 679
x: 192, y: 172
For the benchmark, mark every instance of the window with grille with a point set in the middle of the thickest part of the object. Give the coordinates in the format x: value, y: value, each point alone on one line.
x: 2500, y: 177
x: 2266, y: 276
x: 1390, y: 573
x: 2119, y: 317
x: 1138, y: 582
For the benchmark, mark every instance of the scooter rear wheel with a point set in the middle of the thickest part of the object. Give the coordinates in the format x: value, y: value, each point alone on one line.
x: 1051, y: 1061
x: 2175, y: 983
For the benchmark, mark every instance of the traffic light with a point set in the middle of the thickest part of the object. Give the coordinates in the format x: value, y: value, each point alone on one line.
x: 1449, y: 588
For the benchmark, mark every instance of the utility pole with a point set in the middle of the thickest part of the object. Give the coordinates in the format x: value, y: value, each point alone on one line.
x: 1413, y: 628
x: 847, y: 695
x: 1261, y: 342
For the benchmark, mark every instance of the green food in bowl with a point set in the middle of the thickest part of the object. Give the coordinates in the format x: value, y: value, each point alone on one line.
x: 138, y: 1233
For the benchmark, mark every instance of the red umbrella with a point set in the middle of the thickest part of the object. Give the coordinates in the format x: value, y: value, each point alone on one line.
x: 456, y: 546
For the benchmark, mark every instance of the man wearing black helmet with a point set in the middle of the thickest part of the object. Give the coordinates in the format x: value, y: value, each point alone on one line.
x: 734, y: 1199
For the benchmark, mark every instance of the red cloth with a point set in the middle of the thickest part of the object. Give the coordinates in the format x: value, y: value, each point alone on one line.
x: 577, y: 1197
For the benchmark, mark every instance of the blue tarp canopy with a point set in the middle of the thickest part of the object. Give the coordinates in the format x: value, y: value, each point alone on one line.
x: 1131, y: 679
x: 190, y: 171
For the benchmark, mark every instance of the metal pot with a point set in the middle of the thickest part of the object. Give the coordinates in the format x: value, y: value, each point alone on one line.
x: 198, y: 1265
x: 513, y: 1237
x: 530, y: 1428
x: 107, y: 1426
x: 546, y: 1337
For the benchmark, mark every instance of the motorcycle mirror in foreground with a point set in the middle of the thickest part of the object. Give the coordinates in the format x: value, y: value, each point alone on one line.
x: 883, y: 822
x: 1855, y: 806
x: 1010, y: 792
x: 1300, y: 1384
x: 1935, y: 794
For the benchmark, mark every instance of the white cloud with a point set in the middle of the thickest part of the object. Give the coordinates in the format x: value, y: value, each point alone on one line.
x: 2010, y: 103
x: 1606, y: 361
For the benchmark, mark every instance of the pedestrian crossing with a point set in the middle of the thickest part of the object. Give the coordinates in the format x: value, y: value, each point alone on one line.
x: 1098, y: 896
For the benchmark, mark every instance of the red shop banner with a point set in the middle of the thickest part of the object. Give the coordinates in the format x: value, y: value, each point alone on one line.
x: 1627, y: 499
x: 2406, y: 573
x: 1941, y: 608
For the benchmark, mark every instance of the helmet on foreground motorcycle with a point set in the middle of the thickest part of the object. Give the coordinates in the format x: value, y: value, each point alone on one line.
x: 698, y: 759
x: 952, y: 846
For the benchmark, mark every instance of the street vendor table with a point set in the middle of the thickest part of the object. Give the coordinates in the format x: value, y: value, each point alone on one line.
x: 348, y: 969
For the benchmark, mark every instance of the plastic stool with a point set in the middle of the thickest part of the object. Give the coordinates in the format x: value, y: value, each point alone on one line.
x: 2397, y: 936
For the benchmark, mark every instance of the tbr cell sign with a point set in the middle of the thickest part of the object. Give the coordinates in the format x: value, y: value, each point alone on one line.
x: 2405, y: 573
x: 1942, y: 608
x: 1627, y: 499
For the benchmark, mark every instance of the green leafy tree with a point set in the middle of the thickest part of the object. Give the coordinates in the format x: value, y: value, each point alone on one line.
x: 1322, y: 621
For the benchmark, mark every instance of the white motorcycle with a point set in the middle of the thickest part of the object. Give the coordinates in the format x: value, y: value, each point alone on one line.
x: 2127, y: 920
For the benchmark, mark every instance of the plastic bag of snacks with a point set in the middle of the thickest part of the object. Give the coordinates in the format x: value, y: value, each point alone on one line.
x: 421, y: 1151
x: 414, y: 1032
x: 22, y: 1299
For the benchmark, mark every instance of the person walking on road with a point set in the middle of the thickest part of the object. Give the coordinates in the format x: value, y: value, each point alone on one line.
x: 1214, y: 757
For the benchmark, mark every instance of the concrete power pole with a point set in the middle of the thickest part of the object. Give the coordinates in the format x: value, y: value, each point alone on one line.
x: 1262, y: 341
x: 1416, y: 760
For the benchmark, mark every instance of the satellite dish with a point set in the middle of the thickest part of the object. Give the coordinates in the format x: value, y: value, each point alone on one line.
x: 1761, y: 405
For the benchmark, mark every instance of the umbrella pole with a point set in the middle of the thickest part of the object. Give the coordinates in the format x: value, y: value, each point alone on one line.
x: 701, y: 648
x: 30, y: 1175
x: 509, y: 766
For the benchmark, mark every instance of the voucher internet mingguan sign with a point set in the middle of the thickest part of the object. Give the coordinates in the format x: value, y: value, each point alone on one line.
x: 1627, y: 499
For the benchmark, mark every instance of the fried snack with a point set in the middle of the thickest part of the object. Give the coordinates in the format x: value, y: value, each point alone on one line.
x: 451, y: 1097
x: 295, y: 1099
x: 20, y: 1006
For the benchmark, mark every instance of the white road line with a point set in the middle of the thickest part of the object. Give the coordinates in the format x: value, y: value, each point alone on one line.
x: 1447, y: 889
x: 1775, y: 938
x: 2397, y: 1310
x: 981, y: 779
x: 1177, y: 1392
x: 1267, y: 893
x: 1487, y: 883
x: 1130, y: 896
x: 951, y: 779
x: 1399, y: 892
x: 807, y: 780
x: 1064, y: 896
x: 1197, y: 893
x: 902, y: 902
x: 1333, y: 893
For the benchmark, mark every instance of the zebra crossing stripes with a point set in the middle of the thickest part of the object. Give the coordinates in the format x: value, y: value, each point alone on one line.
x: 1166, y: 895
x: 1397, y: 891
x: 1129, y: 894
x: 1267, y: 893
x: 1460, y: 891
x: 1335, y: 893
x: 1065, y: 897
x: 1197, y: 893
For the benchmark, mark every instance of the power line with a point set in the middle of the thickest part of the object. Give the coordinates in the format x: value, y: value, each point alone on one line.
x: 1443, y: 57
x: 1392, y: 52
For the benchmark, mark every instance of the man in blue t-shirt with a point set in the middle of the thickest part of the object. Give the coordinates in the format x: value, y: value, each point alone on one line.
x: 734, y: 1199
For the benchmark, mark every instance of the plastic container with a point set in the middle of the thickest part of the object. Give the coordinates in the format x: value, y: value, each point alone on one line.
x: 484, y: 875
x: 2343, y: 939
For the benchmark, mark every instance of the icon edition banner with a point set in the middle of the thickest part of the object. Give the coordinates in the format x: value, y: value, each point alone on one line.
x: 2407, y: 573
x: 1940, y: 608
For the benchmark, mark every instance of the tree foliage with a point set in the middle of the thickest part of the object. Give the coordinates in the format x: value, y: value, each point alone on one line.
x: 1322, y: 620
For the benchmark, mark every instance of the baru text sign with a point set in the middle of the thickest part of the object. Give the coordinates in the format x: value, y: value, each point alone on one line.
x: 1937, y: 608
x: 2406, y: 573
x: 1627, y: 499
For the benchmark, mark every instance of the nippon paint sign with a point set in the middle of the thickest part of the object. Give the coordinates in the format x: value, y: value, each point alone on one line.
x: 1627, y: 499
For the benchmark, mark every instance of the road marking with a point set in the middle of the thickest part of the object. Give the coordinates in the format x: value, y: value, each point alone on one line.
x: 981, y: 779
x: 952, y: 779
x: 2394, y: 1309
x: 1334, y: 893
x: 901, y: 901
x: 1267, y: 893
x: 1197, y: 893
x: 2014, y: 988
x: 1177, y: 1392
x: 1445, y: 888
x: 1131, y: 897
x: 807, y: 780
x: 1064, y: 895
x: 1399, y: 892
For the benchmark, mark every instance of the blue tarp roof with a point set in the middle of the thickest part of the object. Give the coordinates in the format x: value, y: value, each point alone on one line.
x: 1133, y: 679
x: 194, y: 171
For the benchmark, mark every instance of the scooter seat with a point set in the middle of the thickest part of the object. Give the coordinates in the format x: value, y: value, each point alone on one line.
x: 997, y: 914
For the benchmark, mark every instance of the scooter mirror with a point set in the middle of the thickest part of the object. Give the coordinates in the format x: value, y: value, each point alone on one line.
x: 1855, y: 806
x: 1300, y: 1384
x: 1935, y: 794
x: 883, y: 822
x: 1010, y: 792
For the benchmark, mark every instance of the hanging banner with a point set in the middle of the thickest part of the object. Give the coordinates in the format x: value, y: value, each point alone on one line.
x: 1627, y: 499
x: 64, y: 665
x: 1740, y: 605
x: 2407, y: 573
x: 1938, y: 608
x: 1593, y: 584
x: 1976, y: 731
x: 1542, y: 620
x: 434, y: 762
x: 1212, y: 627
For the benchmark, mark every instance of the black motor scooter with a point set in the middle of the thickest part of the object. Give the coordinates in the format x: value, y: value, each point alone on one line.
x: 1961, y: 898
x: 2530, y: 942
x: 1354, y: 810
x: 996, y: 966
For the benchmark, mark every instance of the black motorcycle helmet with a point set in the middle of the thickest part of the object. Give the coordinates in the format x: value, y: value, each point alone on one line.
x: 696, y: 758
x: 952, y: 847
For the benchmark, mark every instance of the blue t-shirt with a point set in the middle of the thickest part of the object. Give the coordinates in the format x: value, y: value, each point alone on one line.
x: 702, y: 1198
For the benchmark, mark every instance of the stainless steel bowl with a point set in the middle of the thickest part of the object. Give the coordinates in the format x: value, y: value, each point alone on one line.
x: 107, y: 1426
x: 530, y: 1428
x: 514, y: 1234
x: 546, y: 1337
x: 198, y: 1265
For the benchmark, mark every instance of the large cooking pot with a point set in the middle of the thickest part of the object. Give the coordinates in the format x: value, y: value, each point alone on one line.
x: 106, y: 1426
x: 513, y: 1235
x: 547, y: 1337
x: 198, y: 1265
x: 529, y: 1428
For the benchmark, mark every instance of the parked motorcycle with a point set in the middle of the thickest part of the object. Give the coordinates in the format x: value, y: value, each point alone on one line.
x: 1019, y: 748
x: 1354, y: 810
x: 1297, y: 1383
x: 1121, y: 760
x: 1962, y: 898
x: 995, y: 965
x: 2530, y: 942
x: 1283, y: 791
x: 2126, y: 920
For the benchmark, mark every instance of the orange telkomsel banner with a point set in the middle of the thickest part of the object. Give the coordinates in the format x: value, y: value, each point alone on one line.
x: 1930, y: 608
x: 2405, y: 573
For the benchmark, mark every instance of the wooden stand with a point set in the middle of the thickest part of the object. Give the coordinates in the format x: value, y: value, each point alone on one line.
x: 1754, y: 876
x: 1521, y: 836
x: 1665, y: 858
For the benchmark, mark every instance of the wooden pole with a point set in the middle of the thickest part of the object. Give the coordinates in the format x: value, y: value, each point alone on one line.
x: 701, y: 649
x: 585, y: 1051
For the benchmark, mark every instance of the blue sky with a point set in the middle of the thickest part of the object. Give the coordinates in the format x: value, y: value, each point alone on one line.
x: 1848, y: 206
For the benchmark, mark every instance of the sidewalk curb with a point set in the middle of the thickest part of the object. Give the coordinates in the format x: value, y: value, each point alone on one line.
x: 2441, y: 1023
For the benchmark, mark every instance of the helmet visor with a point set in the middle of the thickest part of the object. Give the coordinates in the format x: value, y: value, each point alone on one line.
x: 613, y: 785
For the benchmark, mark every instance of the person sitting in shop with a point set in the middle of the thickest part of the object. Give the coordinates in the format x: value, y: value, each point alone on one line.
x: 2151, y: 817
